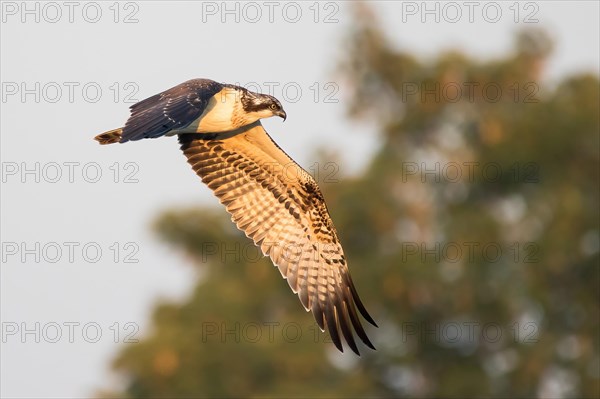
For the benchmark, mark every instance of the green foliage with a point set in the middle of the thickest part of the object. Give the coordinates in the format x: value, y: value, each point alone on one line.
x: 529, y: 319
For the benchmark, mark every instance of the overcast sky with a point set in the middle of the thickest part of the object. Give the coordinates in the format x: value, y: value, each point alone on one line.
x: 70, y: 73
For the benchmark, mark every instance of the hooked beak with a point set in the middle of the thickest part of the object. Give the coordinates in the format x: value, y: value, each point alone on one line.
x: 282, y: 114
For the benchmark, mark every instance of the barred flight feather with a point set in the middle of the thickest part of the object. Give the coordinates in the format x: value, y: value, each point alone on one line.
x: 286, y: 216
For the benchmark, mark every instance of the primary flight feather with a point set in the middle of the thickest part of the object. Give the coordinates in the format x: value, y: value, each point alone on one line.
x: 270, y: 198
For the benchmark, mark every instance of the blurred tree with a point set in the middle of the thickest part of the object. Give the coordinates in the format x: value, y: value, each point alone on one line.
x: 473, y: 237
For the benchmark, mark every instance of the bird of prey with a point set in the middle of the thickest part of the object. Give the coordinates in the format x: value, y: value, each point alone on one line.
x: 284, y: 213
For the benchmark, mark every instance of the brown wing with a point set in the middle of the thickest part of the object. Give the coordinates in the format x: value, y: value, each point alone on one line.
x: 281, y: 208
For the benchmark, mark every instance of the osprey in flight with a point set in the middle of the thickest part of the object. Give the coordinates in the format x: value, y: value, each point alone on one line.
x: 284, y: 213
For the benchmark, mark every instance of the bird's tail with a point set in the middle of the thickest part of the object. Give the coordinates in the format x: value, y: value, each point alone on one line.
x: 110, y: 137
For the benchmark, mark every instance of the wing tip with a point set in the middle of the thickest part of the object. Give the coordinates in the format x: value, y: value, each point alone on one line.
x: 361, y: 308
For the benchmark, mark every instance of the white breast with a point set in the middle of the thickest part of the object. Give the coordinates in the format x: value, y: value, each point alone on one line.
x: 218, y: 115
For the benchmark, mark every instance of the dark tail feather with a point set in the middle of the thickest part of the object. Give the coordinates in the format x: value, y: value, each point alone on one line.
x: 110, y: 137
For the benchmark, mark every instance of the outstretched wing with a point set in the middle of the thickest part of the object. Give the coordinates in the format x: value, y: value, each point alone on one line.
x: 172, y: 109
x: 281, y: 208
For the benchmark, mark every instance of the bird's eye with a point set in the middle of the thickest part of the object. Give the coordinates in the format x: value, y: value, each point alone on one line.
x: 273, y: 107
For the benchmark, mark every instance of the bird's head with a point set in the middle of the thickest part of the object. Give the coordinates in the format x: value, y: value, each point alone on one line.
x: 259, y: 106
